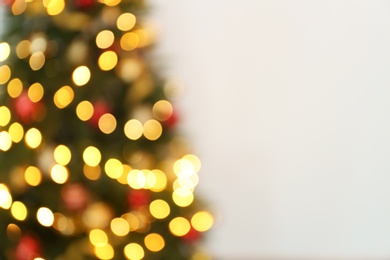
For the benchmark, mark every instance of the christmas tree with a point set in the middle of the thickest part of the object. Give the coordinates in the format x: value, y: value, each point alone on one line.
x: 91, y: 162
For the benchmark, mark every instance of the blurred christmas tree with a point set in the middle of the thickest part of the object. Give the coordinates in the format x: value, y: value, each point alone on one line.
x: 91, y: 165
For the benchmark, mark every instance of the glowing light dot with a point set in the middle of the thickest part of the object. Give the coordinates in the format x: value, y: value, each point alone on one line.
x: 120, y: 227
x: 154, y: 242
x: 19, y: 210
x: 105, y: 39
x: 112, y: 2
x: 113, y: 168
x: 92, y: 173
x: 162, y: 110
x: 107, y: 123
x: 5, y: 74
x: 59, y: 173
x: 81, y: 75
x: 33, y: 176
x: 202, y: 221
x: 152, y: 129
x: 134, y: 251
x: 5, y: 115
x: 182, y: 197
x: 194, y: 161
x: 16, y: 132
x: 5, y: 141
x: 129, y: 41
x: 92, y: 156
x: 84, y: 110
x: 15, y: 88
x: 179, y: 226
x: 33, y: 138
x: 98, y: 237
x: 62, y: 155
x: 4, y: 51
x: 55, y: 7
x: 45, y: 216
x: 126, y: 21
x: 159, y: 209
x: 63, y: 97
x: 35, y: 92
x: 133, y: 129
x: 107, y: 60
x: 161, y: 181
x: 104, y: 252
x: 23, y: 49
x: 18, y: 7
x: 5, y: 197
x: 37, y: 60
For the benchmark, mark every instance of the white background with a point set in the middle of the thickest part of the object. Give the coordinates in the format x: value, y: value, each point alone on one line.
x: 288, y: 105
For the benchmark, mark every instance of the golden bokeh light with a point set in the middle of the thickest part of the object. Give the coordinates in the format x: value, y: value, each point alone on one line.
x: 5, y: 115
x: 160, y: 181
x: 159, y: 209
x: 162, y: 110
x: 63, y: 97
x: 62, y: 155
x: 81, y: 75
x: 129, y: 41
x: 202, y: 221
x: 98, y: 237
x: 4, y: 51
x: 179, y: 226
x: 33, y: 176
x: 55, y: 7
x: 18, y: 7
x: 123, y: 178
x: 92, y: 156
x: 107, y: 123
x: 134, y: 251
x: 19, y: 210
x: 5, y: 197
x: 59, y: 173
x: 194, y: 161
x: 13, y: 232
x: 38, y: 43
x: 33, y: 138
x: 152, y: 129
x: 16, y: 132
x: 133, y: 129
x: 92, y: 172
x: 84, y: 110
x: 45, y: 216
x: 5, y: 74
x: 182, y: 197
x: 126, y: 21
x: 5, y: 141
x: 104, y: 252
x: 113, y: 168
x: 14, y: 87
x: 141, y: 179
x: 120, y: 227
x: 35, y: 92
x: 154, y: 242
x: 105, y: 39
x: 132, y: 220
x: 37, y: 60
x: 23, y: 49
x: 107, y: 60
x: 111, y: 2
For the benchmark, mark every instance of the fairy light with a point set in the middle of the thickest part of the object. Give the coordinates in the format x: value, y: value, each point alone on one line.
x: 179, y: 226
x: 160, y: 181
x: 202, y: 221
x: 59, y: 173
x: 84, y: 110
x: 5, y: 197
x: 16, y: 132
x: 92, y: 156
x: 98, y: 237
x: 159, y: 209
x: 134, y: 251
x: 14, y: 87
x: 18, y: 7
x: 152, y: 129
x: 133, y: 129
x: 37, y: 60
x: 33, y: 138
x: 45, y: 216
x: 113, y: 168
x: 107, y: 123
x: 182, y: 197
x: 35, y: 92
x: 129, y: 41
x: 126, y: 21
x: 162, y: 110
x: 62, y: 154
x: 5, y: 141
x: 104, y: 252
x: 19, y: 210
x: 63, y: 97
x: 5, y: 74
x: 120, y: 227
x: 107, y: 60
x: 55, y: 7
x: 5, y: 115
x: 92, y: 172
x: 105, y: 39
x: 81, y: 75
x: 4, y: 51
x: 154, y: 242
x: 33, y: 176
x: 23, y: 49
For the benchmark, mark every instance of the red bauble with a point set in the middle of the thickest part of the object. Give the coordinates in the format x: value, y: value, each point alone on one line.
x: 138, y: 198
x: 172, y: 120
x: 192, y: 236
x: 100, y: 108
x: 27, y: 110
x: 29, y: 247
x: 84, y: 3
x: 75, y: 196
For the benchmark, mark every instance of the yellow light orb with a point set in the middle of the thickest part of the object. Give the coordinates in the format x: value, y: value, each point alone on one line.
x: 35, y: 92
x: 45, y: 216
x: 62, y: 155
x: 105, y: 39
x: 179, y: 226
x: 134, y: 251
x: 107, y: 60
x: 37, y: 60
x: 16, y: 132
x: 107, y: 123
x: 162, y: 110
x: 92, y: 172
x: 4, y: 51
x: 23, y: 49
x: 161, y: 181
x: 59, y: 173
x: 98, y: 237
x: 84, y: 110
x: 194, y: 161
x: 105, y: 252
x: 33, y: 138
x: 5, y: 141
x: 202, y: 221
x: 92, y: 156
x: 5, y: 74
x: 120, y: 227
x: 55, y: 7
x: 33, y: 176
x: 5, y: 115
x: 182, y: 197
x: 159, y: 209
x: 152, y: 129
x: 126, y: 21
x: 19, y: 210
x: 111, y: 2
x: 63, y: 97
x: 81, y: 75
x: 18, y: 7
x: 129, y: 41
x: 154, y: 242
x: 5, y: 197
x: 14, y: 87
x: 133, y: 129
x: 113, y: 168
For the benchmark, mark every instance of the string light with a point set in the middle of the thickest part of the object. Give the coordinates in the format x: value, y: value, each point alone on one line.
x: 4, y: 51
x: 134, y: 251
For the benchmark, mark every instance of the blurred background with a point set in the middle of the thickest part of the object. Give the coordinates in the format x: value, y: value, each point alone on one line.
x: 287, y: 105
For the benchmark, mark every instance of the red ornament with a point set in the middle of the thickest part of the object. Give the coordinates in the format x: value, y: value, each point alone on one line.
x: 100, y: 108
x: 75, y: 196
x: 138, y: 198
x: 29, y: 247
x: 83, y: 4
x: 27, y: 110
x: 172, y: 120
x: 192, y: 236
